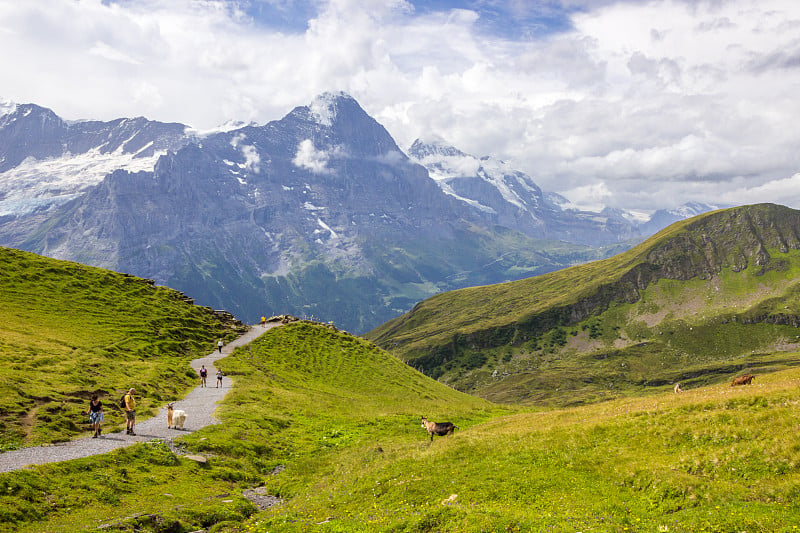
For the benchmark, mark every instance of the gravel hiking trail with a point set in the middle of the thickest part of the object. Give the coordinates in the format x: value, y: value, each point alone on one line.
x: 199, y: 405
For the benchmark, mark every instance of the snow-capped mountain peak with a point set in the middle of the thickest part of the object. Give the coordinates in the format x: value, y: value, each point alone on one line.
x: 466, y: 177
x: 325, y: 107
x: 434, y: 147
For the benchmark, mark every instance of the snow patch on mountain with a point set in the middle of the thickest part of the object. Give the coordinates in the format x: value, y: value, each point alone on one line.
x: 308, y: 206
x: 327, y: 228
x: 448, y: 189
x: 691, y: 209
x: 495, y: 172
x: 228, y: 126
x: 636, y: 216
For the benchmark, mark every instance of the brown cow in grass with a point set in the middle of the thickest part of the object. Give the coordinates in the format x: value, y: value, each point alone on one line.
x: 438, y: 428
x: 747, y: 379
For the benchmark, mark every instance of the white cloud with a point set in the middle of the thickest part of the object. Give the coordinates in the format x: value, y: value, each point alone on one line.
x: 102, y: 49
x: 658, y: 101
x: 588, y: 197
x: 786, y: 190
x: 309, y: 158
x: 251, y: 157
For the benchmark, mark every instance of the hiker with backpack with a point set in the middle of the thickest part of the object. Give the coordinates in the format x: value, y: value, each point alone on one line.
x: 128, y: 403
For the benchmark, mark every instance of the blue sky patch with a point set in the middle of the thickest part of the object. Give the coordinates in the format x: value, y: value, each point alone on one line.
x: 506, y: 19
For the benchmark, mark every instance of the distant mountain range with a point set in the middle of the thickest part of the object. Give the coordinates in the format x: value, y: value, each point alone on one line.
x: 510, y: 198
x: 317, y: 214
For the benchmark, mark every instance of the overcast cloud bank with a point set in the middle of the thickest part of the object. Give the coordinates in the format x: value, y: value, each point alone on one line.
x: 638, y: 105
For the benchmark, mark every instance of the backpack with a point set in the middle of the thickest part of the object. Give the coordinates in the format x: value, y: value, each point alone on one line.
x: 122, y: 400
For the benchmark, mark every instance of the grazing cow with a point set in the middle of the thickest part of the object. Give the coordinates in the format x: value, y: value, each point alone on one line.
x: 438, y: 428
x: 747, y: 379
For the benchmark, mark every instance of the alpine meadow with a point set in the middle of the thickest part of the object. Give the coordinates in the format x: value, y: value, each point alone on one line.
x: 399, y: 266
x: 560, y: 387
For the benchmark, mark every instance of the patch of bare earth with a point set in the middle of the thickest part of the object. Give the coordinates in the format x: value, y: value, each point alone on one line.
x: 261, y: 498
x: 784, y: 345
x: 28, y: 421
x: 713, y: 298
x: 583, y: 343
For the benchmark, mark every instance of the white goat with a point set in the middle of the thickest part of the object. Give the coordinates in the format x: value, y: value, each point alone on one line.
x: 175, y: 415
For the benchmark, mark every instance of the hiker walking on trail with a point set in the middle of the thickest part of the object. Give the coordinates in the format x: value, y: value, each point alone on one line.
x: 130, y: 411
x: 203, y: 375
x: 95, y: 412
x: 263, y: 321
x: 219, y: 378
x: 219, y: 345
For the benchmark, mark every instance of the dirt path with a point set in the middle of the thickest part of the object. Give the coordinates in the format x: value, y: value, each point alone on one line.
x: 199, y: 405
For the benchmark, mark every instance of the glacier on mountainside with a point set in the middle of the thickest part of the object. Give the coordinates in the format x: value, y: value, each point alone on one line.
x: 38, y: 184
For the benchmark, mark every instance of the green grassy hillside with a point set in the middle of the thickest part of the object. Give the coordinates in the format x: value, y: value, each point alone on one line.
x: 67, y: 331
x: 713, y: 459
x: 701, y: 300
x: 307, y: 397
x: 330, y: 425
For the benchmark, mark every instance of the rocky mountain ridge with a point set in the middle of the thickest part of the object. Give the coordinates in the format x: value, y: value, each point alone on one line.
x: 317, y: 214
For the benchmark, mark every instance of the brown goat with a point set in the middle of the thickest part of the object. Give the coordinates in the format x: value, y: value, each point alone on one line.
x: 438, y: 428
x: 747, y: 379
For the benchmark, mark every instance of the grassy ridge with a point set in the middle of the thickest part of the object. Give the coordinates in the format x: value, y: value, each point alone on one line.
x: 310, y: 391
x: 68, y: 330
x: 696, y: 332
x: 330, y: 424
x: 435, y: 320
x: 701, y: 300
